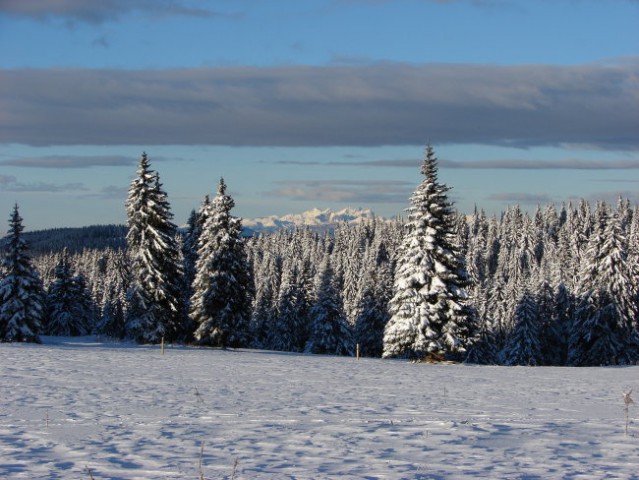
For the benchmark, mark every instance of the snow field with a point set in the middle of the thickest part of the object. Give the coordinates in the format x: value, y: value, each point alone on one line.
x: 128, y: 412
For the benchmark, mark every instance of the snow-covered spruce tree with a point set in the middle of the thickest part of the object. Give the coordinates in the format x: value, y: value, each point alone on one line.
x: 190, y: 242
x: 564, y: 313
x: 552, y: 332
x: 114, y: 299
x: 289, y: 329
x: 268, y: 278
x: 376, y: 288
x: 523, y: 346
x: 497, y: 312
x: 477, y: 248
x: 22, y: 310
x: 154, y: 289
x: 69, y: 305
x: 602, y: 331
x: 328, y: 332
x: 483, y: 351
x: 112, y: 320
x: 347, y: 265
x: 287, y: 332
x: 594, y: 339
x: 223, y: 287
x: 430, y: 314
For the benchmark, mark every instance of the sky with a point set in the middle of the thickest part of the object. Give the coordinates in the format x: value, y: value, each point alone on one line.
x: 315, y: 103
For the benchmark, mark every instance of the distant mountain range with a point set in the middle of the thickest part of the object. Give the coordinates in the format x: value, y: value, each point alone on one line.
x: 315, y: 219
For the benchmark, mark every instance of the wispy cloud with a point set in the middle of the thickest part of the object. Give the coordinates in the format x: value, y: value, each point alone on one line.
x: 6, y: 180
x: 68, y: 161
x: 617, y: 180
x: 500, y: 164
x: 562, y: 164
x: 110, y: 192
x: 10, y: 184
x: 345, y: 191
x: 101, y: 11
x: 363, y: 163
x: 382, y: 104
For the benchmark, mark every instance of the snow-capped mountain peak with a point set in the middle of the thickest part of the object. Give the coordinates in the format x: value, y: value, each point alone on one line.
x: 315, y: 218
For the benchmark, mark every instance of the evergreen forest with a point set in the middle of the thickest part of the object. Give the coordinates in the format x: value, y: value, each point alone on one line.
x: 553, y: 287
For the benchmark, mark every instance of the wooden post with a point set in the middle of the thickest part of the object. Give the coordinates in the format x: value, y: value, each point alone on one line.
x: 357, y: 351
x: 162, y: 346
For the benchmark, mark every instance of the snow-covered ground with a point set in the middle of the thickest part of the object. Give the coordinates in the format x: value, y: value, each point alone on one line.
x: 127, y: 412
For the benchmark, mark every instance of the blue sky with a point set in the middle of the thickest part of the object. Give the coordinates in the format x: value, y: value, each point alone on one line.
x: 315, y: 103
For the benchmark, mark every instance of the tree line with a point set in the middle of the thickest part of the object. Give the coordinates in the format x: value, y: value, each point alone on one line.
x: 556, y: 287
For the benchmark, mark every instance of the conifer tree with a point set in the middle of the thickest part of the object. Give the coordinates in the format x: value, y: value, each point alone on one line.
x: 268, y: 279
x: 430, y: 313
x: 69, y: 304
x: 551, y: 332
x: 154, y: 290
x: 483, y: 351
x: 499, y: 310
x: 329, y: 332
x: 190, y: 242
x: 287, y: 331
x: 112, y: 320
x: 523, y: 346
x: 372, y: 309
x: 564, y: 313
x: 223, y: 287
x: 350, y: 245
x: 22, y: 311
x: 594, y: 337
x: 493, y: 247
x: 477, y: 248
x: 608, y: 308
x: 114, y: 298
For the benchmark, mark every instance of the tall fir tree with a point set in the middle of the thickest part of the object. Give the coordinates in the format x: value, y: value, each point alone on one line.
x: 114, y: 296
x: 329, y: 332
x: 287, y: 330
x: 69, y: 304
x: 551, y: 331
x: 607, y: 308
x: 376, y: 288
x: 223, y: 286
x: 523, y: 346
x: 430, y: 311
x: 153, y: 297
x: 267, y: 281
x: 190, y: 241
x: 22, y: 309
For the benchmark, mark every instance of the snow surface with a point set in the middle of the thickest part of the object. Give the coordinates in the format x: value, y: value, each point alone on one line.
x: 128, y: 412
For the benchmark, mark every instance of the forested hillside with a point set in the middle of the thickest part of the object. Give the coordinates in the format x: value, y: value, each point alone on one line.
x: 555, y: 287
x: 77, y: 239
